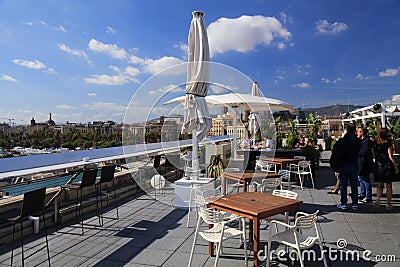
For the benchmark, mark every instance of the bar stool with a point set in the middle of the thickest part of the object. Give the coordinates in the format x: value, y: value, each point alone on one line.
x: 106, y: 176
x: 33, y: 203
x: 88, y: 179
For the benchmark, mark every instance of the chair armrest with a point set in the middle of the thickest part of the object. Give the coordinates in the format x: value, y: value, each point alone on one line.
x: 233, y: 218
x: 281, y: 223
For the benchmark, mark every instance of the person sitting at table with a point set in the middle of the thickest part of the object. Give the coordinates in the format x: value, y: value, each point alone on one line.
x: 247, y: 142
x: 266, y: 144
x: 301, y: 143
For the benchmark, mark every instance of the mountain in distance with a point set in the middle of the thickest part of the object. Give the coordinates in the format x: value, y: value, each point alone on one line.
x: 332, y: 111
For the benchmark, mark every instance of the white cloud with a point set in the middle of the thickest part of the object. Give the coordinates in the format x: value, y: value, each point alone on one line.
x: 36, y: 64
x: 91, y: 94
x: 132, y: 71
x: 155, y: 66
x: 109, y: 49
x: 301, y: 85
x: 60, y: 28
x: 244, y: 33
x: 136, y: 60
x: 326, y: 80
x: 324, y: 27
x: 111, y: 30
x: 74, y: 52
x: 362, y: 77
x: 107, y: 80
x: 36, y: 22
x: 171, y: 88
x: 50, y: 71
x: 64, y: 107
x: 105, y: 106
x: 182, y: 46
x: 218, y: 88
x: 7, y: 78
x: 389, y: 72
x: 122, y: 77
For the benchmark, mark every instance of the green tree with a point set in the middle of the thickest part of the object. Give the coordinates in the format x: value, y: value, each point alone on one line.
x: 293, y: 135
x: 394, y: 130
x: 314, y: 124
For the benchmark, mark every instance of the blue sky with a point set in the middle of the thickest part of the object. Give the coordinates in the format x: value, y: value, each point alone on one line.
x: 84, y: 60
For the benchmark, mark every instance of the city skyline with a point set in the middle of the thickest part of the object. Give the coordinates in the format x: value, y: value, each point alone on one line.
x: 85, y: 61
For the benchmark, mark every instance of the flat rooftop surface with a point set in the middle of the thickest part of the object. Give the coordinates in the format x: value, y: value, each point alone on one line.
x: 154, y: 233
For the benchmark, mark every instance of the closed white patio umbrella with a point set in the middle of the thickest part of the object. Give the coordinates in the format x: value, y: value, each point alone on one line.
x: 197, y: 119
x: 254, y: 118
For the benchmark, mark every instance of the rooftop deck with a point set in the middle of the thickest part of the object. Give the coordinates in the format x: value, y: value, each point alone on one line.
x: 153, y: 233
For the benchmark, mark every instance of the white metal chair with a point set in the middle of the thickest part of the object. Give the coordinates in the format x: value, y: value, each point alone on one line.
x: 234, y: 186
x: 294, y: 166
x: 279, y: 217
x: 196, y: 196
x: 219, y: 232
x: 295, y: 236
x: 286, y: 179
x: 265, y: 166
x: 268, y: 185
x: 304, y: 170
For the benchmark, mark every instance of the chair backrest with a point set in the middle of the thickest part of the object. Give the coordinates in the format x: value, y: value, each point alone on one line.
x: 306, y: 221
x: 270, y: 184
x: 285, y: 193
x: 211, y: 216
x: 203, y: 198
x: 33, y: 202
x: 89, y: 177
x: 107, y: 173
x: 305, y: 164
x: 285, y: 174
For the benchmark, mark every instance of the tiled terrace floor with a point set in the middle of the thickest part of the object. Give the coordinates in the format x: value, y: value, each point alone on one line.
x: 153, y: 233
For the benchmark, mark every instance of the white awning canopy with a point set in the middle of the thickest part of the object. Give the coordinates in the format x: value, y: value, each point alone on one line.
x: 387, y: 108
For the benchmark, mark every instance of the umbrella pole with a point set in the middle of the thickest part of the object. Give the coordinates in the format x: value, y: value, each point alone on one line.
x: 234, y: 123
x: 195, y: 158
x: 254, y: 136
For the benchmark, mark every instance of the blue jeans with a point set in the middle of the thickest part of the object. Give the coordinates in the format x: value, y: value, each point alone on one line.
x: 365, y: 187
x: 349, y: 175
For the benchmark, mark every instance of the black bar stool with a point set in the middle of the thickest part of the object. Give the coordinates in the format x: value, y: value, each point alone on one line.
x: 32, y: 204
x: 88, y: 179
x: 107, y: 175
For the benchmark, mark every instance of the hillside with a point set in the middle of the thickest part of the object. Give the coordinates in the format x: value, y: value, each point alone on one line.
x: 333, y: 110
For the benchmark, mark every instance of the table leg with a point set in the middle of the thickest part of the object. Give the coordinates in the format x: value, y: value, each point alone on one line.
x: 210, y: 245
x: 223, y: 184
x: 251, y: 230
x: 256, y: 241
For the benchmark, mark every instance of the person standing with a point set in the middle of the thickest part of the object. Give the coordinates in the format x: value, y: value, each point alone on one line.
x: 349, y: 150
x: 365, y: 164
x: 386, y: 167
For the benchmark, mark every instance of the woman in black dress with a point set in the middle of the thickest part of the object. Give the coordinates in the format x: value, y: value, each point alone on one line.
x: 383, y: 154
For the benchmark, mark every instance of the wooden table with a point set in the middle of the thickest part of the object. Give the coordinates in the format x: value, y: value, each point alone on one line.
x: 282, y: 162
x: 244, y: 177
x: 254, y: 206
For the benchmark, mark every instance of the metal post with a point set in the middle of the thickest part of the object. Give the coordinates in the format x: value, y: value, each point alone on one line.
x: 234, y: 124
x: 195, y: 158
x: 383, y: 116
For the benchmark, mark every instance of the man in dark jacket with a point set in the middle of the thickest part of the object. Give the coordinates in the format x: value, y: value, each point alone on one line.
x: 365, y: 164
x: 349, y: 150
